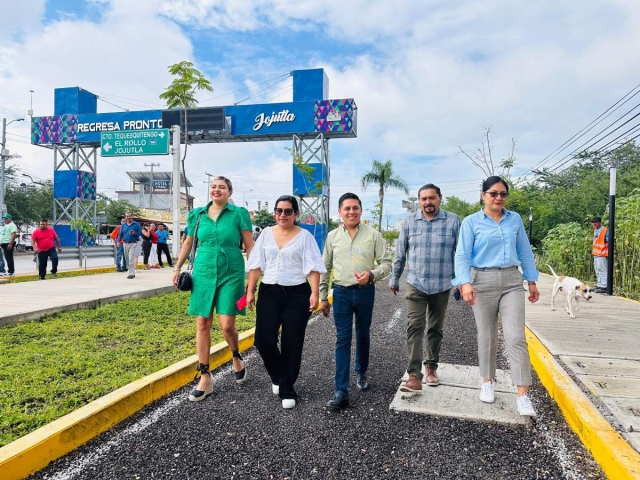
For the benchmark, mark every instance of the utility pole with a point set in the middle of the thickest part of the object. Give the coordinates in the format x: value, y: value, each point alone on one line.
x: 4, y: 155
x: 612, y: 230
x: 530, y: 223
x: 208, y: 182
x: 152, y: 186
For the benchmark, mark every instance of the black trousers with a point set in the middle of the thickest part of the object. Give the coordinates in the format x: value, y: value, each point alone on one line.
x: 163, y: 247
x: 287, y: 307
x: 42, y: 262
x: 8, y: 256
x: 146, y: 251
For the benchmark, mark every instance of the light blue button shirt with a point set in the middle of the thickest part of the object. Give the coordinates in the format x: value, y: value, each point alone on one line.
x: 483, y: 243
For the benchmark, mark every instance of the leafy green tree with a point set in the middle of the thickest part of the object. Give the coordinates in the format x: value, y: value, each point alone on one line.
x: 333, y: 224
x: 182, y: 94
x: 30, y: 203
x: 460, y: 207
x: 382, y: 174
x: 263, y: 219
x: 115, y: 210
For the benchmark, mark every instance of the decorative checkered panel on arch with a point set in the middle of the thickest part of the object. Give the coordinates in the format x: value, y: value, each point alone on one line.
x: 86, y: 185
x: 55, y: 129
x: 91, y: 239
x: 334, y: 115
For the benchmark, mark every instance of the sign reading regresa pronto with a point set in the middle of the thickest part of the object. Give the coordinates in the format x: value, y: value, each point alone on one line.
x: 134, y: 142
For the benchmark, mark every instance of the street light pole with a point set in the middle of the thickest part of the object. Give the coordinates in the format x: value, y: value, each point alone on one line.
x: 4, y: 154
x: 246, y: 191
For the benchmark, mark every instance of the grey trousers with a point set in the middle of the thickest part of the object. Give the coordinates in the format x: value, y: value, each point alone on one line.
x: 130, y: 254
x: 600, y: 264
x: 421, y: 306
x: 499, y: 291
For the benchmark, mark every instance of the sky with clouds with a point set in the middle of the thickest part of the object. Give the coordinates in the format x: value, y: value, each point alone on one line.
x: 428, y: 76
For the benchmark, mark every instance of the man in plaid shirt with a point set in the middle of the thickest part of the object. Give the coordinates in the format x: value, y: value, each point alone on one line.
x: 427, y: 242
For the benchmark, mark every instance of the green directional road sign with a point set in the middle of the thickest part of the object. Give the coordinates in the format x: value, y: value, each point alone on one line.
x: 135, y: 142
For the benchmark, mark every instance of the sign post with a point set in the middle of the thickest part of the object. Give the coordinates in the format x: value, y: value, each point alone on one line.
x: 134, y: 142
x: 177, y: 180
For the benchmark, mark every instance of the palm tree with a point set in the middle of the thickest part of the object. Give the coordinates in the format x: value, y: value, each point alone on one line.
x: 383, y: 175
x: 181, y: 94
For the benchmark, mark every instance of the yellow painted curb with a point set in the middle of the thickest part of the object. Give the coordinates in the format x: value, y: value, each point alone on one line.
x: 36, y: 450
x: 615, y: 456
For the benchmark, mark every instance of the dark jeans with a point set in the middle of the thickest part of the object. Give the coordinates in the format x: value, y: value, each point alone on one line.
x: 163, y: 247
x: 287, y: 307
x: 121, y: 261
x: 146, y: 250
x: 424, y: 311
x: 42, y: 261
x: 348, y: 302
x: 8, y: 256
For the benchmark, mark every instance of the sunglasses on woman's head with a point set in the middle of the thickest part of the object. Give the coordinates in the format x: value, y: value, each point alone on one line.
x: 287, y: 211
x: 495, y: 194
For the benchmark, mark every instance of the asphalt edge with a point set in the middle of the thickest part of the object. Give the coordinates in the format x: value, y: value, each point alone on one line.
x: 37, y: 449
x: 615, y: 456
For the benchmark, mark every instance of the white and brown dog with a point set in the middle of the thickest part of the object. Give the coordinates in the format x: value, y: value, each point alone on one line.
x: 573, y: 288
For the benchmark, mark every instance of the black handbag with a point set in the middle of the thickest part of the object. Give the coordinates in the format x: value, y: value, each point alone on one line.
x: 185, y: 280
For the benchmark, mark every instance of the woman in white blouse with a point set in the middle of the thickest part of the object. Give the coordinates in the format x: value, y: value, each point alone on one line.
x: 287, y: 255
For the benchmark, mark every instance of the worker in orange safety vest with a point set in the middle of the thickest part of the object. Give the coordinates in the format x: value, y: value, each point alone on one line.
x: 600, y: 252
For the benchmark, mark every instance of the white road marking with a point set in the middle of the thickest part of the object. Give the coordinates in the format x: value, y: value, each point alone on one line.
x: 78, y: 465
x: 397, y: 315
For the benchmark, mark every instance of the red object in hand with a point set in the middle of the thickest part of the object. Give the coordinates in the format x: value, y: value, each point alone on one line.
x: 242, y: 303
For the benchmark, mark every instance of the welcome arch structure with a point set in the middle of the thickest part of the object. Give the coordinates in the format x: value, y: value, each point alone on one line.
x: 309, y: 122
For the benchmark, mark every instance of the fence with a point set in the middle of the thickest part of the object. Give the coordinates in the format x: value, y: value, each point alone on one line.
x: 90, y: 252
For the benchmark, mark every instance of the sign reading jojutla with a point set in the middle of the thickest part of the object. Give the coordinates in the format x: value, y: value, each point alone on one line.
x: 135, y: 142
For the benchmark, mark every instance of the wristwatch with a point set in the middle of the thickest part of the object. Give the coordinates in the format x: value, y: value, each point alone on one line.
x: 371, y: 278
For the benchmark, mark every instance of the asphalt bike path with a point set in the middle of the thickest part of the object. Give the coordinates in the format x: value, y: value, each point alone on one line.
x: 241, y: 431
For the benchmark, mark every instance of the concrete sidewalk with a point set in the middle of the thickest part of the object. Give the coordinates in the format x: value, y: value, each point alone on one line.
x: 600, y: 349
x: 37, y: 299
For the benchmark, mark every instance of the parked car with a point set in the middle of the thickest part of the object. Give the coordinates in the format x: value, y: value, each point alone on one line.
x: 24, y: 242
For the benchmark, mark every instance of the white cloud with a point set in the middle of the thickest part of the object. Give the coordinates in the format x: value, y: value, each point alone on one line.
x: 430, y: 77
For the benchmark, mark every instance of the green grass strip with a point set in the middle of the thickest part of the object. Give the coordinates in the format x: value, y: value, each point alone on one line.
x: 53, y: 366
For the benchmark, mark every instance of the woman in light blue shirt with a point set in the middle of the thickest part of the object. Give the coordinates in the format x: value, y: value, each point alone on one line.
x: 491, y: 246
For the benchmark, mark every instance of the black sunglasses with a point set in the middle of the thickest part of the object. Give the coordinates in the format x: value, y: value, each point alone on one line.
x: 495, y: 194
x: 287, y: 211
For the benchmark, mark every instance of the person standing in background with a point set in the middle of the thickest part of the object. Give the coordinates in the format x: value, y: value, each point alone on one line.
x: 130, y: 232
x: 121, y: 261
x: 600, y: 252
x: 8, y: 242
x: 163, y: 234
x: 44, y: 240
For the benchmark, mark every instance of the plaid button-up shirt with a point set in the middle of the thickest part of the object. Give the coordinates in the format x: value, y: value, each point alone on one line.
x: 429, y: 247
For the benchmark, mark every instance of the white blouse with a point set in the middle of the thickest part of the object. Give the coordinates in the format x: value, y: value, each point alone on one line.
x: 290, y: 265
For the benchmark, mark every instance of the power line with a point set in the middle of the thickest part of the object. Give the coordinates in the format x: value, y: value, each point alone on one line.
x: 586, y: 129
x: 281, y: 76
x: 264, y: 90
x: 571, y: 156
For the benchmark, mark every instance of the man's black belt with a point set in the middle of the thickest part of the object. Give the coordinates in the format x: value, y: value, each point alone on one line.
x: 357, y: 286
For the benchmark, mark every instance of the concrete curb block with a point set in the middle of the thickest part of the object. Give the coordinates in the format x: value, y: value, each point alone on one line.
x: 615, y: 456
x: 37, y: 449
x: 47, y: 312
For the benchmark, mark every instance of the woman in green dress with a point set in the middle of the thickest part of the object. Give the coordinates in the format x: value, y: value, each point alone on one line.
x: 218, y: 276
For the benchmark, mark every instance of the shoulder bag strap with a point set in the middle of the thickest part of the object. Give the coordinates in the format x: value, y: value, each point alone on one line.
x: 194, y: 245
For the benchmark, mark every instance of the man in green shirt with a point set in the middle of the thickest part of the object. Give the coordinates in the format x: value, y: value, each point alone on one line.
x: 8, y: 242
x: 357, y: 255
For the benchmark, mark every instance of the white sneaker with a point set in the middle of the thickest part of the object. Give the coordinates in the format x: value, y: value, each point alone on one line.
x: 487, y: 394
x: 524, y: 406
x: 275, y: 389
x: 288, y: 403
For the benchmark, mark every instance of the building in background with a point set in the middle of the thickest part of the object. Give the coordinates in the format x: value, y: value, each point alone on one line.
x: 153, y: 191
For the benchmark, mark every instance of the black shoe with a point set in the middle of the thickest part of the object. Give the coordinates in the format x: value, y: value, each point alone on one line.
x: 337, y: 403
x: 362, y: 382
x: 600, y: 290
x: 131, y: 276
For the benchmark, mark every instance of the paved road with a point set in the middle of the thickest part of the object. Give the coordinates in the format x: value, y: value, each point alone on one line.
x: 242, y: 431
x: 24, y: 264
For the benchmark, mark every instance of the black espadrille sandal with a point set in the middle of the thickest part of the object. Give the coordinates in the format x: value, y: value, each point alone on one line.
x: 199, y: 395
x: 241, y: 376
